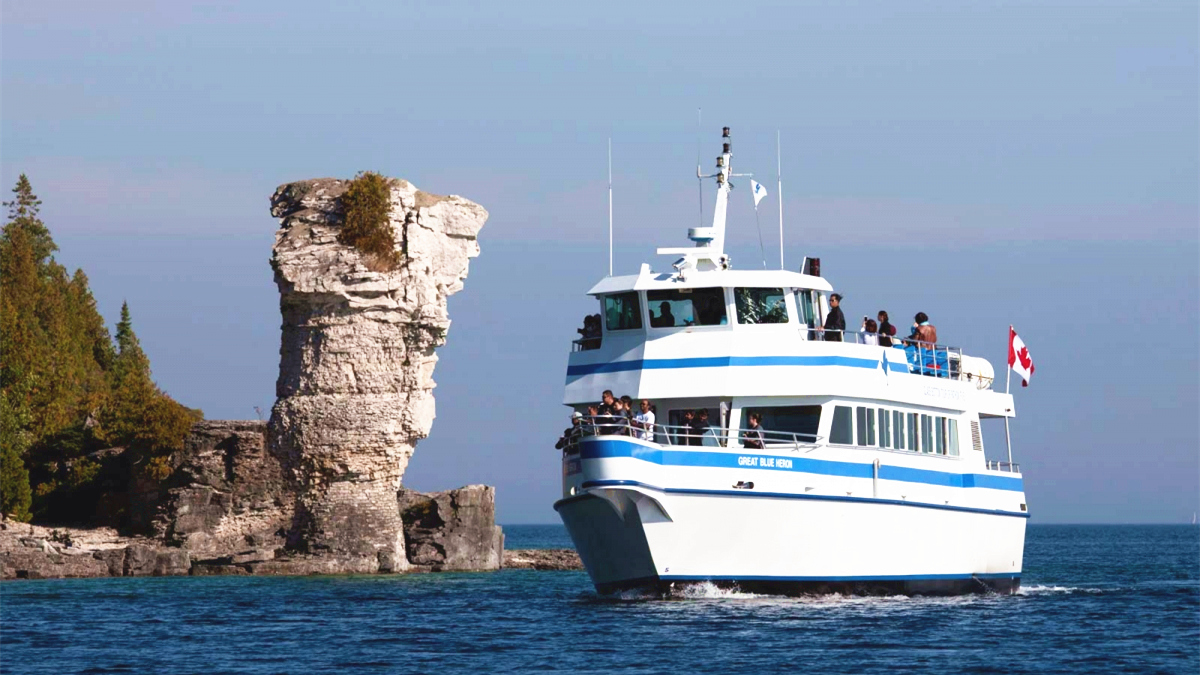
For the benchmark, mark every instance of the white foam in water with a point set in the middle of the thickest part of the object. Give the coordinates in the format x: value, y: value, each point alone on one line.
x: 707, y: 590
x: 1047, y: 590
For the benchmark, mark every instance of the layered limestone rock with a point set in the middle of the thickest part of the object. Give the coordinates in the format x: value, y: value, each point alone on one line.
x: 356, y: 361
x: 452, y: 530
x: 228, y: 495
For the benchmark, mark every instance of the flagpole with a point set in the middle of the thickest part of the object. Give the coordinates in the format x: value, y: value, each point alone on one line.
x: 1007, y: 385
x: 761, y: 250
x: 779, y: 190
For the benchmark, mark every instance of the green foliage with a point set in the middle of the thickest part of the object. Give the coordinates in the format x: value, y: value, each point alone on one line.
x: 15, y: 497
x: 367, y: 206
x: 65, y: 389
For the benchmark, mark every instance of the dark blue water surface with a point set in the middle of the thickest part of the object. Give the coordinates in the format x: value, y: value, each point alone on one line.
x: 1095, y: 599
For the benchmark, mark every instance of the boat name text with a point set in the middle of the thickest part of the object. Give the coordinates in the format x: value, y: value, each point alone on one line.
x: 765, y: 462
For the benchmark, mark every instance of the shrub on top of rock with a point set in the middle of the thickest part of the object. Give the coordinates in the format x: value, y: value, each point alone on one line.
x: 367, y: 206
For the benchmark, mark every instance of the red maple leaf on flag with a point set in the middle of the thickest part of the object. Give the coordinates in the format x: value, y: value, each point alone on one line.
x: 1026, y: 363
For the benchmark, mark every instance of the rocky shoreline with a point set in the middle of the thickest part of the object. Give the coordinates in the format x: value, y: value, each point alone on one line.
x: 317, y: 488
x: 36, y: 552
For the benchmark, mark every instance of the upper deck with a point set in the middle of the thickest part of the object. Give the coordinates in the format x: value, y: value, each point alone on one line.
x: 727, y: 333
x: 706, y: 331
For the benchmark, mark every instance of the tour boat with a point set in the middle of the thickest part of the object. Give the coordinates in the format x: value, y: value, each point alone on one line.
x: 871, y: 477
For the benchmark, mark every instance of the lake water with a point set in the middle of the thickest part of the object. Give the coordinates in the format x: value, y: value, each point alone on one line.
x: 1094, y: 599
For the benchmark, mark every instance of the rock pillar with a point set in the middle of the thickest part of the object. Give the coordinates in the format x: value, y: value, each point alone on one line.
x: 356, y: 361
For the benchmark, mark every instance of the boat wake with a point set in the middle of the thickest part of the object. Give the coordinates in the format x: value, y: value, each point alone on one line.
x: 1054, y: 590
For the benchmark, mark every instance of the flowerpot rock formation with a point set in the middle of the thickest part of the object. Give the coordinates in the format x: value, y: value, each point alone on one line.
x: 355, y: 387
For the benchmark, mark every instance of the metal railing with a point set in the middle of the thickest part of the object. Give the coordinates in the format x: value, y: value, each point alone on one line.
x: 1003, y: 466
x: 584, y: 344
x: 682, y: 435
x: 923, y: 358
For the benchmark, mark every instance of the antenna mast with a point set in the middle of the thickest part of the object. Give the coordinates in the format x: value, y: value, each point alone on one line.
x: 779, y: 191
x: 699, y: 178
x: 708, y: 250
x: 610, y: 237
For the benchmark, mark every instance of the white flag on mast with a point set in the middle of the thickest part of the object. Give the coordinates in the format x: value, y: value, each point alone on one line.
x: 759, y: 191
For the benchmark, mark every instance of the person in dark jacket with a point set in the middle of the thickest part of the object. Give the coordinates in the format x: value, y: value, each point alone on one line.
x: 700, y: 429
x: 690, y: 426
x: 835, y: 322
x: 572, y: 433
x: 886, y: 330
x: 752, y: 438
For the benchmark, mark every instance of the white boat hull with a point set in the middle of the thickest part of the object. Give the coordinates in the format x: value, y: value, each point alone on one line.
x: 633, y: 533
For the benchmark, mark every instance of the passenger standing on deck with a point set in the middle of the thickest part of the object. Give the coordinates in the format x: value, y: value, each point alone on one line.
x: 607, y: 418
x: 688, y: 431
x: 645, y: 421
x: 923, y: 331
x: 572, y: 433
x: 589, y: 423
x: 868, y: 334
x: 627, y: 409
x: 606, y: 402
x: 886, y: 330
x: 704, y: 433
x: 752, y: 438
x: 835, y: 323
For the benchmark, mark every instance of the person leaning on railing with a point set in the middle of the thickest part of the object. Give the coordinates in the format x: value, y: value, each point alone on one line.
x: 752, y: 438
x: 571, y: 434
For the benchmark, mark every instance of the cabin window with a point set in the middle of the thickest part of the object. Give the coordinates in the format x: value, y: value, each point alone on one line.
x: 622, y: 311
x: 808, y: 311
x: 842, y: 429
x: 898, y: 432
x: 760, y: 305
x: 952, y: 440
x: 781, y: 422
x: 912, y: 433
x: 926, y: 433
x: 678, y: 307
x: 866, y: 426
x: 885, y: 428
x: 939, y: 431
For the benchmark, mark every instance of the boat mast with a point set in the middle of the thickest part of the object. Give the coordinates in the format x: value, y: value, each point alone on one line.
x: 708, y: 253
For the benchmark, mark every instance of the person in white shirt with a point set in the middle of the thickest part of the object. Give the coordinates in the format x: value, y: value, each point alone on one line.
x: 645, y: 421
x: 869, y: 333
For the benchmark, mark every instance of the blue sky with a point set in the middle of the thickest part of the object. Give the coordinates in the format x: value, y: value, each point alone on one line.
x: 987, y: 163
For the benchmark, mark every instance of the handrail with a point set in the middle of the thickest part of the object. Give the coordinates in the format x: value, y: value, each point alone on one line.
x: 1010, y: 467
x: 585, y: 344
x: 674, y: 435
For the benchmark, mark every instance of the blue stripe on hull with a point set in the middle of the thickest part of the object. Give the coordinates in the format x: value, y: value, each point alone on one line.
x: 580, y: 370
x: 792, y: 495
x: 599, y: 448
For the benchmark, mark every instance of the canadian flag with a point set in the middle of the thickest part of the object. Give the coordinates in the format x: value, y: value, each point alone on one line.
x: 1018, y: 357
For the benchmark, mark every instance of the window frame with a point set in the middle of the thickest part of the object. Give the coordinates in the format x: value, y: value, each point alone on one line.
x: 844, y: 413
x: 783, y: 298
x: 641, y: 320
x: 724, y: 307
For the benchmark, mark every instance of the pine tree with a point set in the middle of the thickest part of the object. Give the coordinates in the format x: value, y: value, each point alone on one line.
x: 64, y: 389
x: 23, y: 213
x: 15, y: 495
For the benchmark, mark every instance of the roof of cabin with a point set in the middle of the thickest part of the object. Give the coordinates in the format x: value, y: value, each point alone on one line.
x: 648, y: 280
